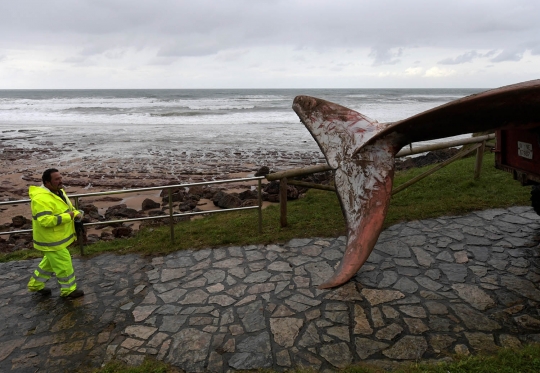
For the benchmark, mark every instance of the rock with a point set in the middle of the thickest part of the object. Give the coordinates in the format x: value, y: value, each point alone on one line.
x: 122, y: 232
x: 253, y: 353
x: 157, y: 213
x: 248, y: 195
x: 250, y: 202
x: 91, y: 211
x: 18, y: 221
x: 482, y: 342
x: 454, y: 272
x: 263, y: 171
x: 226, y: 201
x: 337, y: 354
x: 440, y: 342
x: 435, y: 156
x: 528, y: 322
x: 149, y: 204
x: 209, y: 193
x: 285, y: 330
x: 121, y: 211
x: 196, y: 191
x: 376, y: 297
x: 271, y: 192
x: 188, y: 204
x: 474, y: 320
x: 189, y: 349
x: 389, y: 332
x: 521, y: 286
x: 475, y: 296
x: 177, y: 195
x: 407, y: 348
x: 361, y: 323
x: 366, y: 347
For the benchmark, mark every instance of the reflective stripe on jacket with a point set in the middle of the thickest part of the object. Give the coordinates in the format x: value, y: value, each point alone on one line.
x: 52, y: 226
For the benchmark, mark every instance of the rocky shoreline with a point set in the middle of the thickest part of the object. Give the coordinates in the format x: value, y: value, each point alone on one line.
x: 88, y: 174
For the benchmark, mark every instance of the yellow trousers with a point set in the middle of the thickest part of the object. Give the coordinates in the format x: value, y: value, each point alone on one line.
x: 54, y: 262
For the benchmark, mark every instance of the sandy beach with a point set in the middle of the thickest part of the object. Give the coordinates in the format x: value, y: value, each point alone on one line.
x: 85, y: 172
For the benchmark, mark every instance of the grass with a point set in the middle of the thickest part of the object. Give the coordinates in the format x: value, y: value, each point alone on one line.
x: 524, y: 360
x: 449, y: 191
x: 452, y: 191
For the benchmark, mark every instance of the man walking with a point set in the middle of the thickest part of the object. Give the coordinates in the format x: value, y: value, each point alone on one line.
x: 53, y: 230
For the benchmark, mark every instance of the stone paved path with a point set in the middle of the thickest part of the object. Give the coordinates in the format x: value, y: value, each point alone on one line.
x: 430, y: 288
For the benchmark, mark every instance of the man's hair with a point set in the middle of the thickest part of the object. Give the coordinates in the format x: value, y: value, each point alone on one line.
x: 47, y: 175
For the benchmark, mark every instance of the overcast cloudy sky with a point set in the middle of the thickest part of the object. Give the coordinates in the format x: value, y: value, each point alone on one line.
x: 268, y: 43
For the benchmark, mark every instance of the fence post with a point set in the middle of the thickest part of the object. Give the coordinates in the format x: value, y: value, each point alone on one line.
x: 79, y: 236
x: 283, y: 201
x: 479, y: 159
x: 171, y: 218
x: 259, y: 191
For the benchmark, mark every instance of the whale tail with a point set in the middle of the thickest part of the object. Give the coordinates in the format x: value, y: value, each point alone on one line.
x: 363, y: 174
x: 361, y: 151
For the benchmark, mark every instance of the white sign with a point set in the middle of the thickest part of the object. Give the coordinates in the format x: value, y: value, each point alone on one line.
x: 525, y: 150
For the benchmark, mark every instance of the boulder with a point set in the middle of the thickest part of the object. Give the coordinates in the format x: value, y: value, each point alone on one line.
x: 92, y: 238
x: 188, y: 205
x: 248, y: 194
x: 209, y: 193
x: 177, y: 195
x: 197, y: 191
x: 271, y: 192
x: 90, y: 211
x: 121, y: 211
x: 18, y: 221
x: 227, y: 201
x: 263, y: 171
x: 149, y: 204
x: 157, y: 213
x: 106, y: 236
x: 122, y: 231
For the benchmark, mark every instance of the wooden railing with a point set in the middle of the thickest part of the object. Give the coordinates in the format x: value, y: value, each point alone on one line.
x: 285, y: 177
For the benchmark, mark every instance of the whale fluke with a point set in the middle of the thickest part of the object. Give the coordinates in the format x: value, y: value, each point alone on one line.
x: 362, y: 151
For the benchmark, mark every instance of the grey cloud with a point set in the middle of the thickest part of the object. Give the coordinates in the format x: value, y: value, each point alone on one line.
x: 509, y: 55
x: 463, y: 58
x: 385, y: 56
x: 467, y: 57
x: 174, y: 28
x: 189, y: 48
x: 534, y: 47
x: 94, y: 49
x: 162, y: 61
x: 75, y: 59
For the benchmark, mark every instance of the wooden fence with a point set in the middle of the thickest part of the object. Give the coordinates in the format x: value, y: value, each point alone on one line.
x: 285, y: 177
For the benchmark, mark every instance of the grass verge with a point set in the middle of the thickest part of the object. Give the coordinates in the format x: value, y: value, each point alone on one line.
x: 449, y: 191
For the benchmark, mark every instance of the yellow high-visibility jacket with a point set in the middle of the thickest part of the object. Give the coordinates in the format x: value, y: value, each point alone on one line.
x: 52, y: 226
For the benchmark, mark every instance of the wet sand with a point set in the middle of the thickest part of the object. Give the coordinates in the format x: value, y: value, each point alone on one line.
x: 84, y: 172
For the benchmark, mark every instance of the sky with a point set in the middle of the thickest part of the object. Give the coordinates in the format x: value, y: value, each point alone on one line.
x: 109, y: 44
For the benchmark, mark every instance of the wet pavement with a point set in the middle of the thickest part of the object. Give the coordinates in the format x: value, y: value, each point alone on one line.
x: 430, y: 289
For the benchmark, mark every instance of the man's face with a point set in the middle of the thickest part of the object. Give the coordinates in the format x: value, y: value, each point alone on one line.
x: 56, y: 182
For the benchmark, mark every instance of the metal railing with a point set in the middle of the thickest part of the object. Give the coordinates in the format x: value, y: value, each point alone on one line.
x: 171, y: 215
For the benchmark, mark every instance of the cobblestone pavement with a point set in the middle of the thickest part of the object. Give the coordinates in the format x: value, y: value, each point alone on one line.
x: 430, y: 288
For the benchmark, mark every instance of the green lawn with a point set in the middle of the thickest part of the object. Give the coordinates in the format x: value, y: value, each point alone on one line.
x: 449, y: 191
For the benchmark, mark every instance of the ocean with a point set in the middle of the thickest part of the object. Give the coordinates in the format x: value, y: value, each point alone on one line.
x: 141, y: 122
